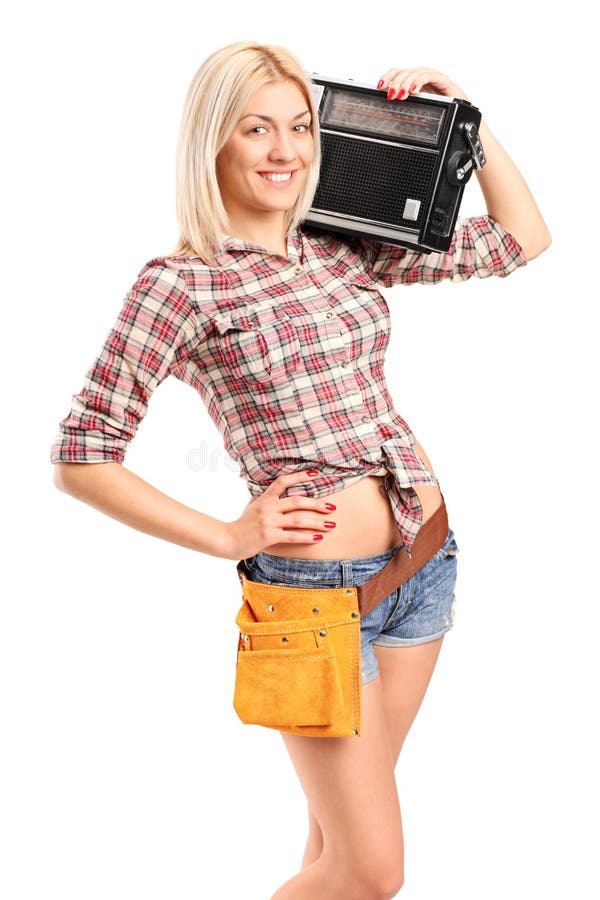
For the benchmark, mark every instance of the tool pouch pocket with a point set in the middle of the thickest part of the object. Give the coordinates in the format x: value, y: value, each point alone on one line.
x: 298, y: 674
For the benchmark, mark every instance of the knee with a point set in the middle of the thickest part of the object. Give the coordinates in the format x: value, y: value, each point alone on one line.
x: 382, y: 883
x: 388, y: 887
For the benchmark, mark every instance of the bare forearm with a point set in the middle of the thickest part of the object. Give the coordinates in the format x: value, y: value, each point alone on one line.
x: 120, y: 493
x: 508, y: 198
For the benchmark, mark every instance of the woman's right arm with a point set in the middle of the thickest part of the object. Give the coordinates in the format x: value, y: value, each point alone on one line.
x: 154, y: 333
x: 120, y: 493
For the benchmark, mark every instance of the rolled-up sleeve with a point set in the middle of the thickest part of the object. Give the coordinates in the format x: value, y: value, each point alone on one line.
x: 480, y: 247
x: 152, y: 336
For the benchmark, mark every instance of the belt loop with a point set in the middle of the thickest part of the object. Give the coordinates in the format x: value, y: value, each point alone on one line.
x: 346, y: 565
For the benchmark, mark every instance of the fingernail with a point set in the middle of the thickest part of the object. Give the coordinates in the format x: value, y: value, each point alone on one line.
x: 412, y: 87
x: 329, y: 524
x: 317, y: 537
x: 391, y: 94
x: 312, y: 472
x: 380, y: 85
x: 401, y: 94
x: 330, y: 506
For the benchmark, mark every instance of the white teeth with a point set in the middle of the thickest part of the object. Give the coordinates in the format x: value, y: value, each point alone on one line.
x: 276, y: 176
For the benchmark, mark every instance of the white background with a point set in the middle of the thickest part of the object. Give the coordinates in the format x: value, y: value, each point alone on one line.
x: 126, y: 773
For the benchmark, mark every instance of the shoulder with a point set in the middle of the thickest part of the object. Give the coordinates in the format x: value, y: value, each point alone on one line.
x: 191, y: 270
x: 333, y: 247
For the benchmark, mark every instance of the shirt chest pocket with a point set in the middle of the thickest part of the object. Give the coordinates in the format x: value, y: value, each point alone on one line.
x: 369, y: 314
x: 257, y: 346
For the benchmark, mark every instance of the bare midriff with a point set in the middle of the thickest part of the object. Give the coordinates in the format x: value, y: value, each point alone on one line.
x: 365, y: 523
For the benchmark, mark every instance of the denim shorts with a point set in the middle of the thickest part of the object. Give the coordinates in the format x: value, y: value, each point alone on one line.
x: 420, y: 610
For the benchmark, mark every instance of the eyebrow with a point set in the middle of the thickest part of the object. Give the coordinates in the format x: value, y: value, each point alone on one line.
x: 269, y: 119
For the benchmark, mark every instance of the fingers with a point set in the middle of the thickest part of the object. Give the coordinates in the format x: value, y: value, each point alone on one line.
x: 302, y: 520
x: 400, y: 83
x: 282, y: 482
x: 296, y: 518
x: 299, y: 501
x: 298, y: 511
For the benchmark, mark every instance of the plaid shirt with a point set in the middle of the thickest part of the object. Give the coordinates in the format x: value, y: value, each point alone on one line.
x: 287, y: 354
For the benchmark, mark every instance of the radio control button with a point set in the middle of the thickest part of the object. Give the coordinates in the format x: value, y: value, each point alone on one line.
x: 411, y: 210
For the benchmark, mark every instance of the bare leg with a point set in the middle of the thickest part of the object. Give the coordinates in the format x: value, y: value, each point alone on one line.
x: 350, y: 786
x: 405, y: 675
x: 314, y: 844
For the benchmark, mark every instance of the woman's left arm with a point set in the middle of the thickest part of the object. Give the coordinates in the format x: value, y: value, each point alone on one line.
x: 507, y: 196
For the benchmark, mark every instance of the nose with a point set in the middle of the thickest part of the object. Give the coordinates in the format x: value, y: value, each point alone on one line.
x: 282, y: 147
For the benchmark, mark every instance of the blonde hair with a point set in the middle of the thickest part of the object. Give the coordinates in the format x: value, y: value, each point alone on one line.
x: 215, y: 102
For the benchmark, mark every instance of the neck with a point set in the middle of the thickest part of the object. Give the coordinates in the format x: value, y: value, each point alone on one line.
x: 270, y: 233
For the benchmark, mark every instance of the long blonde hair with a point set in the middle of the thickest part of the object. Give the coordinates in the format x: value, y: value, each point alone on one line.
x: 215, y: 102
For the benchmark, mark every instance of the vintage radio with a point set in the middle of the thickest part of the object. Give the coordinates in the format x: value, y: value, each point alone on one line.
x: 393, y: 171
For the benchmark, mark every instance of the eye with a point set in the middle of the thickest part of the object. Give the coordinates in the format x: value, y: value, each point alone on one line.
x: 305, y: 126
x: 254, y: 129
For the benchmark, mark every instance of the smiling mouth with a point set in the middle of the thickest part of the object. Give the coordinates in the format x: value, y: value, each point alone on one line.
x: 278, y: 177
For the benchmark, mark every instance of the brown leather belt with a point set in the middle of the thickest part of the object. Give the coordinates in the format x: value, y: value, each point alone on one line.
x: 430, y: 538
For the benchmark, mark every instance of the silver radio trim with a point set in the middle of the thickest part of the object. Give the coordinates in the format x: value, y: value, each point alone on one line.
x: 324, y: 218
x: 372, y: 140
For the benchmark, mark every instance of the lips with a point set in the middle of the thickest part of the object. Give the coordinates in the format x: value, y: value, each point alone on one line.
x: 278, y: 177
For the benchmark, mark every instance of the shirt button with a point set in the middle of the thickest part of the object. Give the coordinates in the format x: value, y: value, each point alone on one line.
x: 329, y: 315
x: 297, y: 269
x: 345, y: 364
x: 365, y: 419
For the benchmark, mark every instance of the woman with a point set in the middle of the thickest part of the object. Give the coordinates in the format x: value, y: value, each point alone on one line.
x: 282, y: 330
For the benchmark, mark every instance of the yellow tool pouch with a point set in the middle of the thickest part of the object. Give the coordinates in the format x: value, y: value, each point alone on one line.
x: 298, y: 659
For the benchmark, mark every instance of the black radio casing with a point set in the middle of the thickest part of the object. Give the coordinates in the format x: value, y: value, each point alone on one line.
x: 392, y: 171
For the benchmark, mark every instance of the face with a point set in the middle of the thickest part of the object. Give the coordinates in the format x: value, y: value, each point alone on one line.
x: 265, y: 163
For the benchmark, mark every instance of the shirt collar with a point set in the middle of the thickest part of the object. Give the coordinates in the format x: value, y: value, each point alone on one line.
x: 294, y: 246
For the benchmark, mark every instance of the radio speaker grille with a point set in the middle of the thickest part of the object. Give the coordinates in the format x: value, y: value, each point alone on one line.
x: 373, y: 181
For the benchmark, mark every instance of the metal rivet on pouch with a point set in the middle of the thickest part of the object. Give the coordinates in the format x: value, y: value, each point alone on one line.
x: 354, y: 615
x: 322, y: 633
x: 316, y: 609
x: 284, y: 640
x: 349, y: 591
x: 245, y: 637
x: 271, y: 608
x: 355, y: 732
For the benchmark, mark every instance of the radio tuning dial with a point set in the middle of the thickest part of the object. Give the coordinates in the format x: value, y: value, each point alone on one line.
x: 458, y: 169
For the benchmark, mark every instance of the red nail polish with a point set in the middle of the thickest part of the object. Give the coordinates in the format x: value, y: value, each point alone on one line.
x: 317, y: 537
x: 380, y: 85
x: 329, y: 524
x: 401, y: 94
x: 391, y: 94
x: 312, y: 472
x: 330, y: 506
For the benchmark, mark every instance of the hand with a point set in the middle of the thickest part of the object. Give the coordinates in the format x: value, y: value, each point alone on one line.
x: 269, y: 519
x: 400, y: 83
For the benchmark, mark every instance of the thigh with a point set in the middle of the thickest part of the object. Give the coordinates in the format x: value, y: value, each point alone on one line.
x: 405, y: 675
x: 351, y: 790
